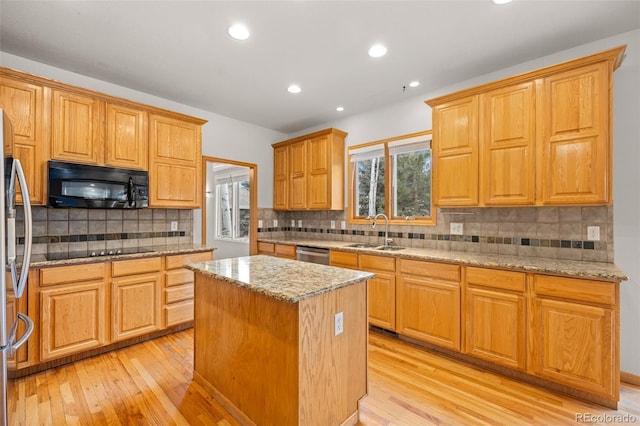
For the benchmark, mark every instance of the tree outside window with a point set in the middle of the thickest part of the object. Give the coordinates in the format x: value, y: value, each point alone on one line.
x: 233, y: 205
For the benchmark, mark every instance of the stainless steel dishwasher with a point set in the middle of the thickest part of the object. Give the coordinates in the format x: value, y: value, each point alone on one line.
x: 313, y: 255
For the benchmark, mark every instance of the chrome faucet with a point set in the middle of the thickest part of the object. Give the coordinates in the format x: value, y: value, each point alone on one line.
x: 387, y: 241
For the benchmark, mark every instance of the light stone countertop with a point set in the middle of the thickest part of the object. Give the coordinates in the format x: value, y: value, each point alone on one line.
x: 39, y: 261
x: 286, y: 280
x: 570, y: 268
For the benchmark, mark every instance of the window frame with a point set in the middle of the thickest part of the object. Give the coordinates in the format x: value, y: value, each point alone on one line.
x: 388, y: 184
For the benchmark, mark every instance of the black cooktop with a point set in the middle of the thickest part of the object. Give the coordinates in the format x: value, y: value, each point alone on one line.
x: 96, y: 253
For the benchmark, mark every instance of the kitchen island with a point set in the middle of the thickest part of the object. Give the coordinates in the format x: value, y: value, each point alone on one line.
x: 281, y: 342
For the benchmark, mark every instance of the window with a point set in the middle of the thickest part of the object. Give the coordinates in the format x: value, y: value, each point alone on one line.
x: 232, y: 204
x: 392, y: 176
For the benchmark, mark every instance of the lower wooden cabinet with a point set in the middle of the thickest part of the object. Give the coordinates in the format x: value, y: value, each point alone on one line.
x: 496, y: 316
x: 575, y: 333
x: 285, y: 251
x: 343, y: 259
x: 135, y: 294
x: 428, y: 304
x: 179, y: 287
x: 73, y: 310
x: 381, y: 293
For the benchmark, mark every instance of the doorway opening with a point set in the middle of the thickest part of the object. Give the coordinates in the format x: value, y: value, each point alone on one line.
x: 229, y: 210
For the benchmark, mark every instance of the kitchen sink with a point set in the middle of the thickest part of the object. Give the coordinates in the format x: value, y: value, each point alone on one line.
x: 362, y: 245
x: 389, y: 248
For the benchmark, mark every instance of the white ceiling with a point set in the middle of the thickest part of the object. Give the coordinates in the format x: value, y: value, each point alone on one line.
x: 180, y: 50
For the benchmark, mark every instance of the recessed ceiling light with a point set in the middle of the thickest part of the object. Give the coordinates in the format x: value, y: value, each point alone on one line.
x: 238, y: 31
x: 294, y: 88
x: 377, y: 50
x: 501, y: 1
x: 340, y: 109
x: 414, y: 84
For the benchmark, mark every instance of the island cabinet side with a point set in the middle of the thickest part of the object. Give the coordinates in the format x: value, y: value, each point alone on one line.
x: 271, y: 362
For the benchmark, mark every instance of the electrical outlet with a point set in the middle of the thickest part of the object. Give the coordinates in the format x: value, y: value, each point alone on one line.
x: 343, y: 224
x: 174, y: 225
x: 593, y: 233
x: 275, y: 223
x: 456, y: 228
x: 299, y: 224
x: 338, y: 323
x: 333, y: 224
x: 293, y: 223
x: 259, y: 223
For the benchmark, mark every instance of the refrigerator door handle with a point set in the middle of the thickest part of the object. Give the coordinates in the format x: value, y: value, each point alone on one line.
x: 19, y: 284
x: 29, y: 323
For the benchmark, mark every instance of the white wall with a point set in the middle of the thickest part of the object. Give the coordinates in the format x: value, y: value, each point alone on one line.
x: 222, y: 137
x: 414, y: 115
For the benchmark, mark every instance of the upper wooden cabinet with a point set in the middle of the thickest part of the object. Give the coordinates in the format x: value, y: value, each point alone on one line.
x: 126, y: 137
x: 28, y: 106
x: 77, y: 128
x: 175, y: 147
x: 540, y: 138
x: 56, y: 121
x: 309, y: 172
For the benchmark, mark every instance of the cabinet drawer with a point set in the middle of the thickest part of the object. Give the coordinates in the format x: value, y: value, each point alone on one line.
x: 380, y: 263
x: 266, y: 248
x: 575, y: 289
x: 179, y: 276
x: 178, y: 313
x: 343, y: 259
x: 421, y: 268
x: 286, y: 251
x: 506, y: 280
x: 178, y: 293
x: 178, y: 261
x: 71, y: 274
x: 136, y: 266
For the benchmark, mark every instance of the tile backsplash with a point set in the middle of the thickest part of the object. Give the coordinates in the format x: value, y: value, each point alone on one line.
x: 552, y: 232
x: 62, y: 230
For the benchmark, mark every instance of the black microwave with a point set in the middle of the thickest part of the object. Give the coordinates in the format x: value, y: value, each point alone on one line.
x: 94, y: 187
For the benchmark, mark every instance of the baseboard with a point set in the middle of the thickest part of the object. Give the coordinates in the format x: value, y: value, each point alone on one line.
x: 630, y: 378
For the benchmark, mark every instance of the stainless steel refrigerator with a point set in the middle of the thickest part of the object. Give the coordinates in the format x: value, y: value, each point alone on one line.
x: 14, y: 278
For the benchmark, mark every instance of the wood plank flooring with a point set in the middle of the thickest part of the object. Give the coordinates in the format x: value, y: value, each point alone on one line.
x: 150, y: 384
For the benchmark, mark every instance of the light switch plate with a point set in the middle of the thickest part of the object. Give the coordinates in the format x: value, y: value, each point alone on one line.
x: 259, y: 223
x: 456, y: 228
x: 343, y: 225
x: 333, y: 224
x: 275, y: 223
x: 299, y: 224
x: 293, y: 223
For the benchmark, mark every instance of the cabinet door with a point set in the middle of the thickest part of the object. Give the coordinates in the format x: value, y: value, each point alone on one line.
x: 495, y: 316
x: 455, y: 153
x: 381, y: 292
x: 174, y: 172
x: 574, y: 345
x: 25, y: 105
x: 298, y: 176
x: 576, y: 145
x: 319, y: 173
x: 280, y: 178
x: 77, y: 128
x: 136, y: 305
x: 127, y: 140
x: 72, y: 319
x: 507, y: 162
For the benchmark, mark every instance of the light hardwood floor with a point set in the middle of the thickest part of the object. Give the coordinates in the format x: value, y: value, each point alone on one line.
x: 150, y: 384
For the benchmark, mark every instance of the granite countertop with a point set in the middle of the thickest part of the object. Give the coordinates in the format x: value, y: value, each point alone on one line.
x: 286, y: 280
x: 39, y: 260
x: 570, y: 268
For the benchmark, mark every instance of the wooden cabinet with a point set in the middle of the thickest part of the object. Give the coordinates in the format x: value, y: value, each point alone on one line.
x: 281, y: 178
x: 343, y: 259
x: 27, y: 104
x: 285, y: 251
x: 179, y: 287
x: 507, y: 146
x: 455, y: 152
x: 175, y: 146
x: 495, y: 316
x: 309, y: 172
x: 77, y: 127
x: 484, y: 137
x: 381, y: 293
x: 576, y: 143
x: 428, y: 302
x: 126, y: 137
x: 73, y: 310
x: 135, y: 293
x: 575, y: 329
